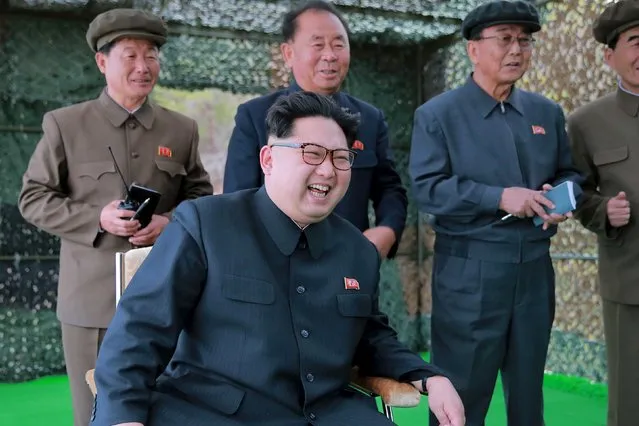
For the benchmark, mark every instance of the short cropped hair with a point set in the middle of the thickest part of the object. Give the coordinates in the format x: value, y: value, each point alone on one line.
x: 282, y: 114
x: 289, y: 24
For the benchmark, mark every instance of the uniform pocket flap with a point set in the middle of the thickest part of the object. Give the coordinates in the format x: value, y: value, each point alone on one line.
x: 207, y: 392
x: 610, y: 156
x: 95, y: 169
x: 171, y: 167
x: 355, y: 305
x: 250, y: 290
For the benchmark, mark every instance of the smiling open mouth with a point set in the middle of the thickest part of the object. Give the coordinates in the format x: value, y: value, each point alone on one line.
x: 328, y: 73
x: 319, y: 191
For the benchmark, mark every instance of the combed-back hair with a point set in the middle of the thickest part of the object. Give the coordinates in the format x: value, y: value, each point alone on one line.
x: 289, y: 24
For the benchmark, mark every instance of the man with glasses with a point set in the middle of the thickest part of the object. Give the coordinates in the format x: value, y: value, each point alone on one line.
x: 482, y: 157
x: 316, y: 49
x: 315, y: 154
x: 281, y: 299
x: 604, y: 135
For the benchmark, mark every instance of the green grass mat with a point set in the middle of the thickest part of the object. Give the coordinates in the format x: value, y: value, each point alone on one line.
x: 585, y: 407
x: 569, y: 401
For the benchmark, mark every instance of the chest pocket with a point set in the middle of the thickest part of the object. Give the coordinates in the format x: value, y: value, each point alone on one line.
x: 610, y: 156
x: 355, y: 305
x: 248, y: 290
x: 95, y: 170
x: 173, y: 168
x: 365, y: 158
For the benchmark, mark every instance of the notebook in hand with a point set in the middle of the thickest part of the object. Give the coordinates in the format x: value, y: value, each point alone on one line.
x: 563, y: 197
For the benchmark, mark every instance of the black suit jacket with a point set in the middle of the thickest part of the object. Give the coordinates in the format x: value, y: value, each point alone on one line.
x: 252, y: 320
x: 374, y: 176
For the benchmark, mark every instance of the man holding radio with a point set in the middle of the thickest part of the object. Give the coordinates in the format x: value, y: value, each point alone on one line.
x: 72, y: 187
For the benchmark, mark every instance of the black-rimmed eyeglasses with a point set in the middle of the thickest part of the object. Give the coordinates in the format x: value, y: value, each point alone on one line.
x: 315, y: 155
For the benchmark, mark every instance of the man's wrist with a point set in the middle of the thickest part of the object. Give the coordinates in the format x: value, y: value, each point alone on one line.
x: 424, y: 389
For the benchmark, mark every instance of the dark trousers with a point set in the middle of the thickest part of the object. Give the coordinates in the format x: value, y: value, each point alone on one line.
x: 489, y: 317
x: 621, y: 323
x: 346, y: 409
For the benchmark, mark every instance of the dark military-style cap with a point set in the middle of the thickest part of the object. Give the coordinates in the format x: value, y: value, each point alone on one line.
x: 615, y: 19
x: 117, y: 23
x: 498, y: 13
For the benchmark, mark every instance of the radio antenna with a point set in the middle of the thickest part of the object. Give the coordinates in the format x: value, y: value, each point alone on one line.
x: 115, y: 163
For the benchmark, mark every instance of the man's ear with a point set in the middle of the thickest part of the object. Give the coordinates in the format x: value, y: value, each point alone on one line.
x: 609, y: 57
x: 287, y: 53
x: 266, y: 159
x: 471, y: 50
x: 100, y: 60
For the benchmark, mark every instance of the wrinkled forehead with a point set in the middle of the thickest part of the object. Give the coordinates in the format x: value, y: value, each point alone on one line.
x: 135, y: 43
x: 510, y: 29
x: 629, y: 35
x: 319, y: 23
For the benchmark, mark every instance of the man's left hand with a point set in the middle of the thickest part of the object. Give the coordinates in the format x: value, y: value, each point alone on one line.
x: 444, y: 401
x: 147, y: 236
x: 554, y: 218
x: 382, y: 237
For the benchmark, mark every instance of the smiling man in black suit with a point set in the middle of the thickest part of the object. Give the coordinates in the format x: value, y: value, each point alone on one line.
x: 252, y: 307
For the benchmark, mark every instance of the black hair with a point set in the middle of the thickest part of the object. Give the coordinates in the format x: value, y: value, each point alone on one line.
x: 613, y: 43
x: 106, y: 49
x: 289, y: 24
x: 282, y: 114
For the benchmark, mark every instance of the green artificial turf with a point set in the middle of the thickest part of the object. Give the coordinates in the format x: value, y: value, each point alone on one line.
x: 569, y: 401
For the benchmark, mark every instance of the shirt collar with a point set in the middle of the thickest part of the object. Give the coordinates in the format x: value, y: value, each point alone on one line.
x: 338, y: 97
x: 285, y: 232
x: 627, y: 101
x: 117, y: 114
x: 486, y: 103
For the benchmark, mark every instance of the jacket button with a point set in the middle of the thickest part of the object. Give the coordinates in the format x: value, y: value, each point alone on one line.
x: 132, y: 125
x: 304, y: 333
x: 135, y: 155
x: 310, y: 377
x: 301, y: 289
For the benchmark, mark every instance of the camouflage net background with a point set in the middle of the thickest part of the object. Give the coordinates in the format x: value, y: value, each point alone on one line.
x: 45, y: 63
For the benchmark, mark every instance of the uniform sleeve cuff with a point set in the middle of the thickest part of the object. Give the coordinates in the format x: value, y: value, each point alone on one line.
x: 490, y: 199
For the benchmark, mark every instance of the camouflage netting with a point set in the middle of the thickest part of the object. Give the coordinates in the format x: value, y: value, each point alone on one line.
x: 401, y: 56
x: 226, y: 45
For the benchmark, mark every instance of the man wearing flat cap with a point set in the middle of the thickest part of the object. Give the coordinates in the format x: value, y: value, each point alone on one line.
x: 72, y: 189
x: 482, y: 157
x: 604, y: 136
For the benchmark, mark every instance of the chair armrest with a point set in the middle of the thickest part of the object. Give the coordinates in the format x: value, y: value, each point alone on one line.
x: 393, y: 393
x: 91, y: 381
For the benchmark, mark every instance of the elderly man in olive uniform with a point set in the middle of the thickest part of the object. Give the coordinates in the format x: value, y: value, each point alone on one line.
x: 71, y: 188
x: 604, y: 137
x: 480, y: 153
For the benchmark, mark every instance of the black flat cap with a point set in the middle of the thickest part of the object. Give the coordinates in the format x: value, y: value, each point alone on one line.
x: 498, y: 13
x: 118, y: 23
x: 615, y: 19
